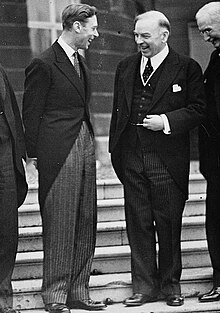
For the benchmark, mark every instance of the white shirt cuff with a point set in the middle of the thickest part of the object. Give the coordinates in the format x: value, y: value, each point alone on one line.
x: 166, y: 124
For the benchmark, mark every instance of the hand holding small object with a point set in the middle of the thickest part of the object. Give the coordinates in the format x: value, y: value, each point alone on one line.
x: 153, y: 122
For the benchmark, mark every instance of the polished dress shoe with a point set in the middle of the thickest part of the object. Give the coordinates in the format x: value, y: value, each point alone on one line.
x: 89, y: 305
x: 175, y: 300
x: 138, y: 299
x: 212, y: 295
x: 57, y: 308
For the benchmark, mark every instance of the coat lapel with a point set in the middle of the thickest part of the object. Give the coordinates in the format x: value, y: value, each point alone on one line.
x: 65, y: 66
x: 170, y: 69
x: 166, y: 78
x: 129, y: 78
x: 213, y: 70
x: 2, y: 88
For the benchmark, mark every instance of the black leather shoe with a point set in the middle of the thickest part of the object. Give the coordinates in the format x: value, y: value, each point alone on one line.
x: 57, y: 308
x: 211, y: 296
x: 89, y: 305
x: 175, y: 300
x: 138, y: 299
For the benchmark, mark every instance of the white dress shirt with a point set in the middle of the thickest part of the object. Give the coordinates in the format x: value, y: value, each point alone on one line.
x: 156, y: 61
x: 67, y: 49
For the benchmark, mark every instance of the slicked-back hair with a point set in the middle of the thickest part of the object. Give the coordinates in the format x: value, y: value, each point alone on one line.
x: 163, y: 21
x: 77, y: 12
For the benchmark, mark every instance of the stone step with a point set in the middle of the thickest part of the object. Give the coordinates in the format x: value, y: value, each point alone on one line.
x: 30, y: 239
x: 108, y: 210
x: 113, y: 259
x: 197, y: 184
x: 190, y: 305
x: 117, y: 259
x: 112, y: 188
x: 29, y: 215
x: 113, y: 209
x: 114, y: 286
x: 111, y: 234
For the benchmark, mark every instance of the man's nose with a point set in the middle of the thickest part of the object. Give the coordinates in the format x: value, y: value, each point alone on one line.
x: 96, y: 34
x: 206, y: 36
x: 138, y: 39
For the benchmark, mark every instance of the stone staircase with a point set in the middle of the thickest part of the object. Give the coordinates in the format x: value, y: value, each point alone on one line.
x: 111, y: 267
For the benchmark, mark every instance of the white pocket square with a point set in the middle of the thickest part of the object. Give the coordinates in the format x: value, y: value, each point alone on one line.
x: 176, y: 88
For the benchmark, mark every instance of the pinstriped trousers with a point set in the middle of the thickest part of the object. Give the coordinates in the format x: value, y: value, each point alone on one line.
x: 69, y: 225
x: 153, y: 205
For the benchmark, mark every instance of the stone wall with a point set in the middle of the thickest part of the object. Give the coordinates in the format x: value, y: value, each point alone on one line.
x: 114, y: 43
x: 14, y: 42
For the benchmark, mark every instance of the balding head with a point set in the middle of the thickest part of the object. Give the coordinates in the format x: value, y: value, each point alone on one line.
x: 208, y: 21
x: 210, y: 10
x: 151, y: 32
x: 156, y: 17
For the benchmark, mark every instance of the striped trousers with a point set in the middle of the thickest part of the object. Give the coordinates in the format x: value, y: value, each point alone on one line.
x: 69, y: 219
x: 153, y: 206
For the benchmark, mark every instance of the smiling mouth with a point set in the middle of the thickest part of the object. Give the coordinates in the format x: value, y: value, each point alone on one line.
x: 144, y: 48
x: 215, y: 42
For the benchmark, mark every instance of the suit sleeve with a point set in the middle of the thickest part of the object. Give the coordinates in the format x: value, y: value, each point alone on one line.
x: 115, y: 151
x: 20, y: 142
x: 37, y: 85
x: 114, y: 110
x: 186, y: 118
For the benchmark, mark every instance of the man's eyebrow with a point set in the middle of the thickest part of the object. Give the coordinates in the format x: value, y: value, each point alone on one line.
x: 144, y: 33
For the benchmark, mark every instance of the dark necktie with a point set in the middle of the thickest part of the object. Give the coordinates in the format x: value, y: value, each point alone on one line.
x: 147, y: 71
x: 76, y: 63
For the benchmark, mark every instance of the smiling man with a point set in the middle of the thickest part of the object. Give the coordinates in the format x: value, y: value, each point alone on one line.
x: 208, y: 20
x: 158, y: 99
x: 59, y: 136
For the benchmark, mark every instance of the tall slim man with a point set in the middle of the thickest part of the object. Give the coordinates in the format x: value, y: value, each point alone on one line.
x: 208, y: 20
x: 158, y: 99
x: 59, y: 134
x: 13, y: 186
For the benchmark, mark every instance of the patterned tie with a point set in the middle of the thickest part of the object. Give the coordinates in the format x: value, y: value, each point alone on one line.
x: 147, y: 71
x: 76, y: 63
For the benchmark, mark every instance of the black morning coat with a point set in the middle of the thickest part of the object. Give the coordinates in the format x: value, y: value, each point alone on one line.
x: 179, y: 94
x: 54, y: 106
x: 9, y: 108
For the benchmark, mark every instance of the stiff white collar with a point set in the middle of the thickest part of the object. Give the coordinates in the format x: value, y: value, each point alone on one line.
x: 68, y: 50
x: 156, y: 60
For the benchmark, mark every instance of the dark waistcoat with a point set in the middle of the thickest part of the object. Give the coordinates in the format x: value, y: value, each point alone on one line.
x: 142, y: 98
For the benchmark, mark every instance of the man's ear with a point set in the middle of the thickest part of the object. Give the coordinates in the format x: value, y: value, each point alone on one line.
x: 165, y: 36
x: 76, y: 27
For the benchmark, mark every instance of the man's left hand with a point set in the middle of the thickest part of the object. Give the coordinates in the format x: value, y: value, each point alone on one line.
x: 153, y: 122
